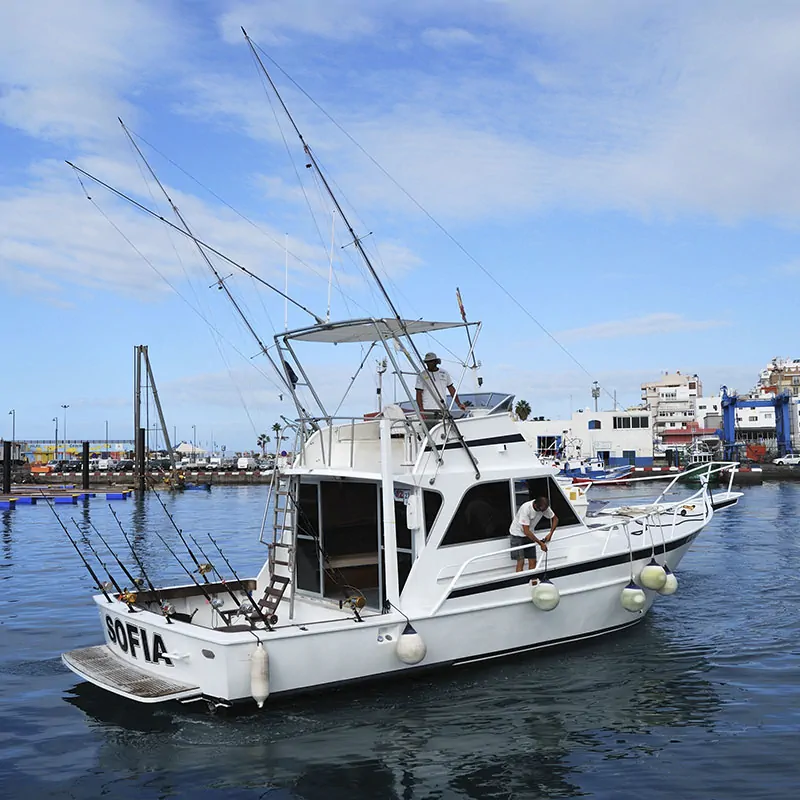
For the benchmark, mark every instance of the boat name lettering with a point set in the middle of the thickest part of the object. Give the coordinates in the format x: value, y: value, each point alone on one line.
x: 130, y: 639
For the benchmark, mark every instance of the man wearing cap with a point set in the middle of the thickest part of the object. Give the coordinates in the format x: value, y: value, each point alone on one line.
x: 431, y: 384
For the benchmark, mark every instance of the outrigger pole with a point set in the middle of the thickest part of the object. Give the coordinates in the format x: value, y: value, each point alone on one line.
x: 356, y: 241
x: 220, y: 281
x: 195, y: 239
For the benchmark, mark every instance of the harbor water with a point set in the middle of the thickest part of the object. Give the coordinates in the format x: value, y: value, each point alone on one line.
x: 702, y: 699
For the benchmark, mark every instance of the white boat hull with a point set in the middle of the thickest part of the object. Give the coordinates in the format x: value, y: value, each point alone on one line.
x: 477, y: 622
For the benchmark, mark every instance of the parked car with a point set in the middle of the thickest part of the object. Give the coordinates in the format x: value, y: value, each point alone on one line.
x: 125, y: 465
x: 106, y: 463
x: 787, y: 460
x: 246, y: 462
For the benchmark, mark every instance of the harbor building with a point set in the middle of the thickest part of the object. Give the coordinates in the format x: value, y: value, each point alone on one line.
x: 781, y: 375
x: 618, y: 437
x: 671, y: 401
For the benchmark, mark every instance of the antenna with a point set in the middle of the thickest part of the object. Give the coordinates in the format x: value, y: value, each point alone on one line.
x: 330, y: 265
x: 286, y: 281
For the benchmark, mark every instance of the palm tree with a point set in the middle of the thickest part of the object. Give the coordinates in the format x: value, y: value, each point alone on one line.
x: 277, y: 428
x: 263, y: 441
x: 523, y: 409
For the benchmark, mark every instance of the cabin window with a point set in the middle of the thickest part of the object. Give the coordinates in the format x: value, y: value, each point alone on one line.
x: 548, y: 444
x: 432, y: 501
x: 594, y: 425
x: 532, y: 488
x: 484, y: 513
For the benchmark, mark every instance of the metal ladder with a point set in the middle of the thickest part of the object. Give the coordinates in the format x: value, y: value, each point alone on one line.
x: 281, y: 553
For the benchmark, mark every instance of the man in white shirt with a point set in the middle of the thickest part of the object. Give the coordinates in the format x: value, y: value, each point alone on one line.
x: 432, y: 383
x: 522, y: 531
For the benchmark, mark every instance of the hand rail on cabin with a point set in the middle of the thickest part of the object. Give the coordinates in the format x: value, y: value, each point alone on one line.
x: 633, y: 518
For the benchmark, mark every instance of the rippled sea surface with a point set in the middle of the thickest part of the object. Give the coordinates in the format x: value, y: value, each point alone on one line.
x: 700, y: 700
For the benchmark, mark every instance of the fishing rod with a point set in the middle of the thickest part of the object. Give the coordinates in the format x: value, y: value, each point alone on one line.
x: 167, y: 609
x: 137, y: 582
x: 202, y: 569
x: 135, y: 556
x: 217, y: 573
x: 214, y: 602
x: 98, y: 584
x: 249, y: 594
x: 129, y: 598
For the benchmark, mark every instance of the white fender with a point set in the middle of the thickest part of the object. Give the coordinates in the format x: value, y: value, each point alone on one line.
x: 653, y: 576
x: 410, y: 647
x: 633, y: 598
x: 671, y: 584
x: 259, y: 675
x: 545, y: 595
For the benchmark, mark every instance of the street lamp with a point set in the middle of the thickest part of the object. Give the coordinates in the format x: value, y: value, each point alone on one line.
x: 65, y: 407
x: 194, y: 443
x: 55, y: 457
x: 13, y: 426
x: 106, y: 455
x: 595, y: 394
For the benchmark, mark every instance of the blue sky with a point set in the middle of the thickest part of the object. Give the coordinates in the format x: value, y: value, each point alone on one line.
x: 624, y: 173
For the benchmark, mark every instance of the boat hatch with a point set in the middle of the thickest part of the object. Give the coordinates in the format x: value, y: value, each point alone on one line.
x: 100, y: 666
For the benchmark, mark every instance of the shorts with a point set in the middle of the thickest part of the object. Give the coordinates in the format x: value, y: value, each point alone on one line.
x: 528, y: 552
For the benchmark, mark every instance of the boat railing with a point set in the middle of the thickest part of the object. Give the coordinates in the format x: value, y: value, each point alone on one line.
x: 326, y: 426
x: 702, y: 471
x: 633, y: 515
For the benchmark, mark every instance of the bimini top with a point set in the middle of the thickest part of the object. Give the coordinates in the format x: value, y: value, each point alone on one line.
x: 366, y: 330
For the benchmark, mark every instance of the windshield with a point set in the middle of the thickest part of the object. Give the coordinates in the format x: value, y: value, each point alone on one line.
x: 494, y: 402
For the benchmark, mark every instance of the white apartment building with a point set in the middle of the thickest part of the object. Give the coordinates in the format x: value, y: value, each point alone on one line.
x: 671, y: 401
x: 708, y: 412
x: 618, y: 437
x: 781, y: 374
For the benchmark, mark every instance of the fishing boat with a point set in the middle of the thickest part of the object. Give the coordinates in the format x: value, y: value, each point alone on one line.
x: 388, y: 550
x: 593, y: 470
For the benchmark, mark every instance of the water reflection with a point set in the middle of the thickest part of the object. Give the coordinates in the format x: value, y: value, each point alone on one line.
x: 494, y: 730
x: 5, y: 523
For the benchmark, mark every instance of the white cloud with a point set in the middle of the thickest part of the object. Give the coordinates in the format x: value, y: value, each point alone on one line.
x: 67, y: 67
x: 618, y: 105
x: 445, y: 38
x: 661, y: 324
x: 269, y: 20
x: 790, y: 268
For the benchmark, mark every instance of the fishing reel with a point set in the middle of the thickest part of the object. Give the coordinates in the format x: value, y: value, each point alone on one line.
x: 168, y: 610
x: 204, y: 568
x: 355, y: 602
x: 127, y: 596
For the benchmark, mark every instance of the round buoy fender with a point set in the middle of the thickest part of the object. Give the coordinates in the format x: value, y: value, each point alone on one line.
x: 545, y: 595
x: 671, y: 584
x: 653, y: 576
x: 633, y: 598
x: 259, y: 675
x: 410, y: 648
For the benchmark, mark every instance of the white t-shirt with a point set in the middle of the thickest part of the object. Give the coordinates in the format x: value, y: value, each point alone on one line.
x: 433, y: 381
x: 528, y: 515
